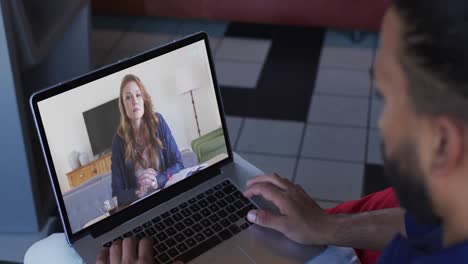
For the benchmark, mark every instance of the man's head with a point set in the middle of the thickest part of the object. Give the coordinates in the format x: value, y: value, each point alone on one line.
x: 422, y: 73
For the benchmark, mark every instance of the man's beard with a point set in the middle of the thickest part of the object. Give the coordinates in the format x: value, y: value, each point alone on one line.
x: 403, y: 172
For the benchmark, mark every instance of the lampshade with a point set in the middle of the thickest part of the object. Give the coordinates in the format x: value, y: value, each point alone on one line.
x: 186, y: 80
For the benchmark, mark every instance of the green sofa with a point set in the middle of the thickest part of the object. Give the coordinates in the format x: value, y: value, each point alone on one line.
x: 209, y: 145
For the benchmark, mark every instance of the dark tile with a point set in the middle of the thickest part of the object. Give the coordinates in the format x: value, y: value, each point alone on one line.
x: 122, y: 23
x: 247, y: 30
x: 156, y: 25
x: 212, y: 28
x: 286, y: 83
x: 374, y: 179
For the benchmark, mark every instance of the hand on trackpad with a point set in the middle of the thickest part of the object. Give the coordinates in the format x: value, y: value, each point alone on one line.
x: 266, y: 205
x: 298, y: 216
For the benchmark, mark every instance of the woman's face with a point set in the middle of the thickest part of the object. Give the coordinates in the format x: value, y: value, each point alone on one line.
x: 133, y: 101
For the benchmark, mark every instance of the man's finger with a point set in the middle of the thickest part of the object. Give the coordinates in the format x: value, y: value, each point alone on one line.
x: 267, y: 219
x: 145, y: 250
x: 129, y: 250
x: 103, y: 257
x: 274, y: 179
x: 115, y: 252
x: 270, y: 192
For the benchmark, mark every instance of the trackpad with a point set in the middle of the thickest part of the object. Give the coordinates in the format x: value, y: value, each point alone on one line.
x: 234, y: 255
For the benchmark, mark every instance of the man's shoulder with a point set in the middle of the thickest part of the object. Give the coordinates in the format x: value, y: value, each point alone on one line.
x: 423, y: 250
x: 406, y: 249
x: 415, y: 229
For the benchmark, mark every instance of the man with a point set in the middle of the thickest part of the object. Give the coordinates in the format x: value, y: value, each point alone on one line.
x: 421, y: 71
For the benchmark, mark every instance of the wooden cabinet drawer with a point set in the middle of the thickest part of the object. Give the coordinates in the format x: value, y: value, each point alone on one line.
x: 86, y: 172
x: 83, y: 174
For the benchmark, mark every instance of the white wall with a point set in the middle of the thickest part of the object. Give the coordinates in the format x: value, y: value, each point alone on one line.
x: 62, y: 115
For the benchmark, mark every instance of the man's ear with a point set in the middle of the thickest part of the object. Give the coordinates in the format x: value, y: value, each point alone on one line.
x: 448, y: 147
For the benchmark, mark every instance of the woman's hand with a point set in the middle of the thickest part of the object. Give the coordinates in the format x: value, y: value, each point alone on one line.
x: 147, y: 180
x: 147, y: 177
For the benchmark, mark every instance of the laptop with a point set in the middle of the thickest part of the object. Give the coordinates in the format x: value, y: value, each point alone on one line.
x: 113, y: 179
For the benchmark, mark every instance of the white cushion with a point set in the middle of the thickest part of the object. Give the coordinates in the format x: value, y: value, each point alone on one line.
x: 52, y: 250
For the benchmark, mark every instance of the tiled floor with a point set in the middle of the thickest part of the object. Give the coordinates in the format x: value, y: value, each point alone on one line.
x: 270, y: 137
x: 308, y: 112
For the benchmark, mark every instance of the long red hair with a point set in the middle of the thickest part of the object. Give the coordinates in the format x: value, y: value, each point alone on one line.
x: 147, y: 132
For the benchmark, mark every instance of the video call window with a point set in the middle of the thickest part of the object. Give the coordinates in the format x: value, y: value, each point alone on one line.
x: 128, y: 135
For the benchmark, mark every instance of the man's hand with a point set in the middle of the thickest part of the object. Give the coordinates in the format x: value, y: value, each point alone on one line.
x: 128, y: 251
x: 303, y: 221
x: 300, y: 219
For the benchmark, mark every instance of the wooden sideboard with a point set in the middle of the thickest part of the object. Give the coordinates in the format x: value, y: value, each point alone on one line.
x: 86, y: 172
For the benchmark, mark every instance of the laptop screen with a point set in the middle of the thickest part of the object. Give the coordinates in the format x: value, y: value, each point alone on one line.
x: 119, y: 139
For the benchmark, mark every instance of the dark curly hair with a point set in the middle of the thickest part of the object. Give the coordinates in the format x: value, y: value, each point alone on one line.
x: 434, y: 55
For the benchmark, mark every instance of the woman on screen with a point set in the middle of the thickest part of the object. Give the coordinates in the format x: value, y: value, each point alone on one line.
x: 144, y: 153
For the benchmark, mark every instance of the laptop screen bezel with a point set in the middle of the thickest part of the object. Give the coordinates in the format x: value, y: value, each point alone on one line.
x: 144, y: 205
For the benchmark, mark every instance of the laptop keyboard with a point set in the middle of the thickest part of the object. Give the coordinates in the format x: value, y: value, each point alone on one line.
x: 196, y: 225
